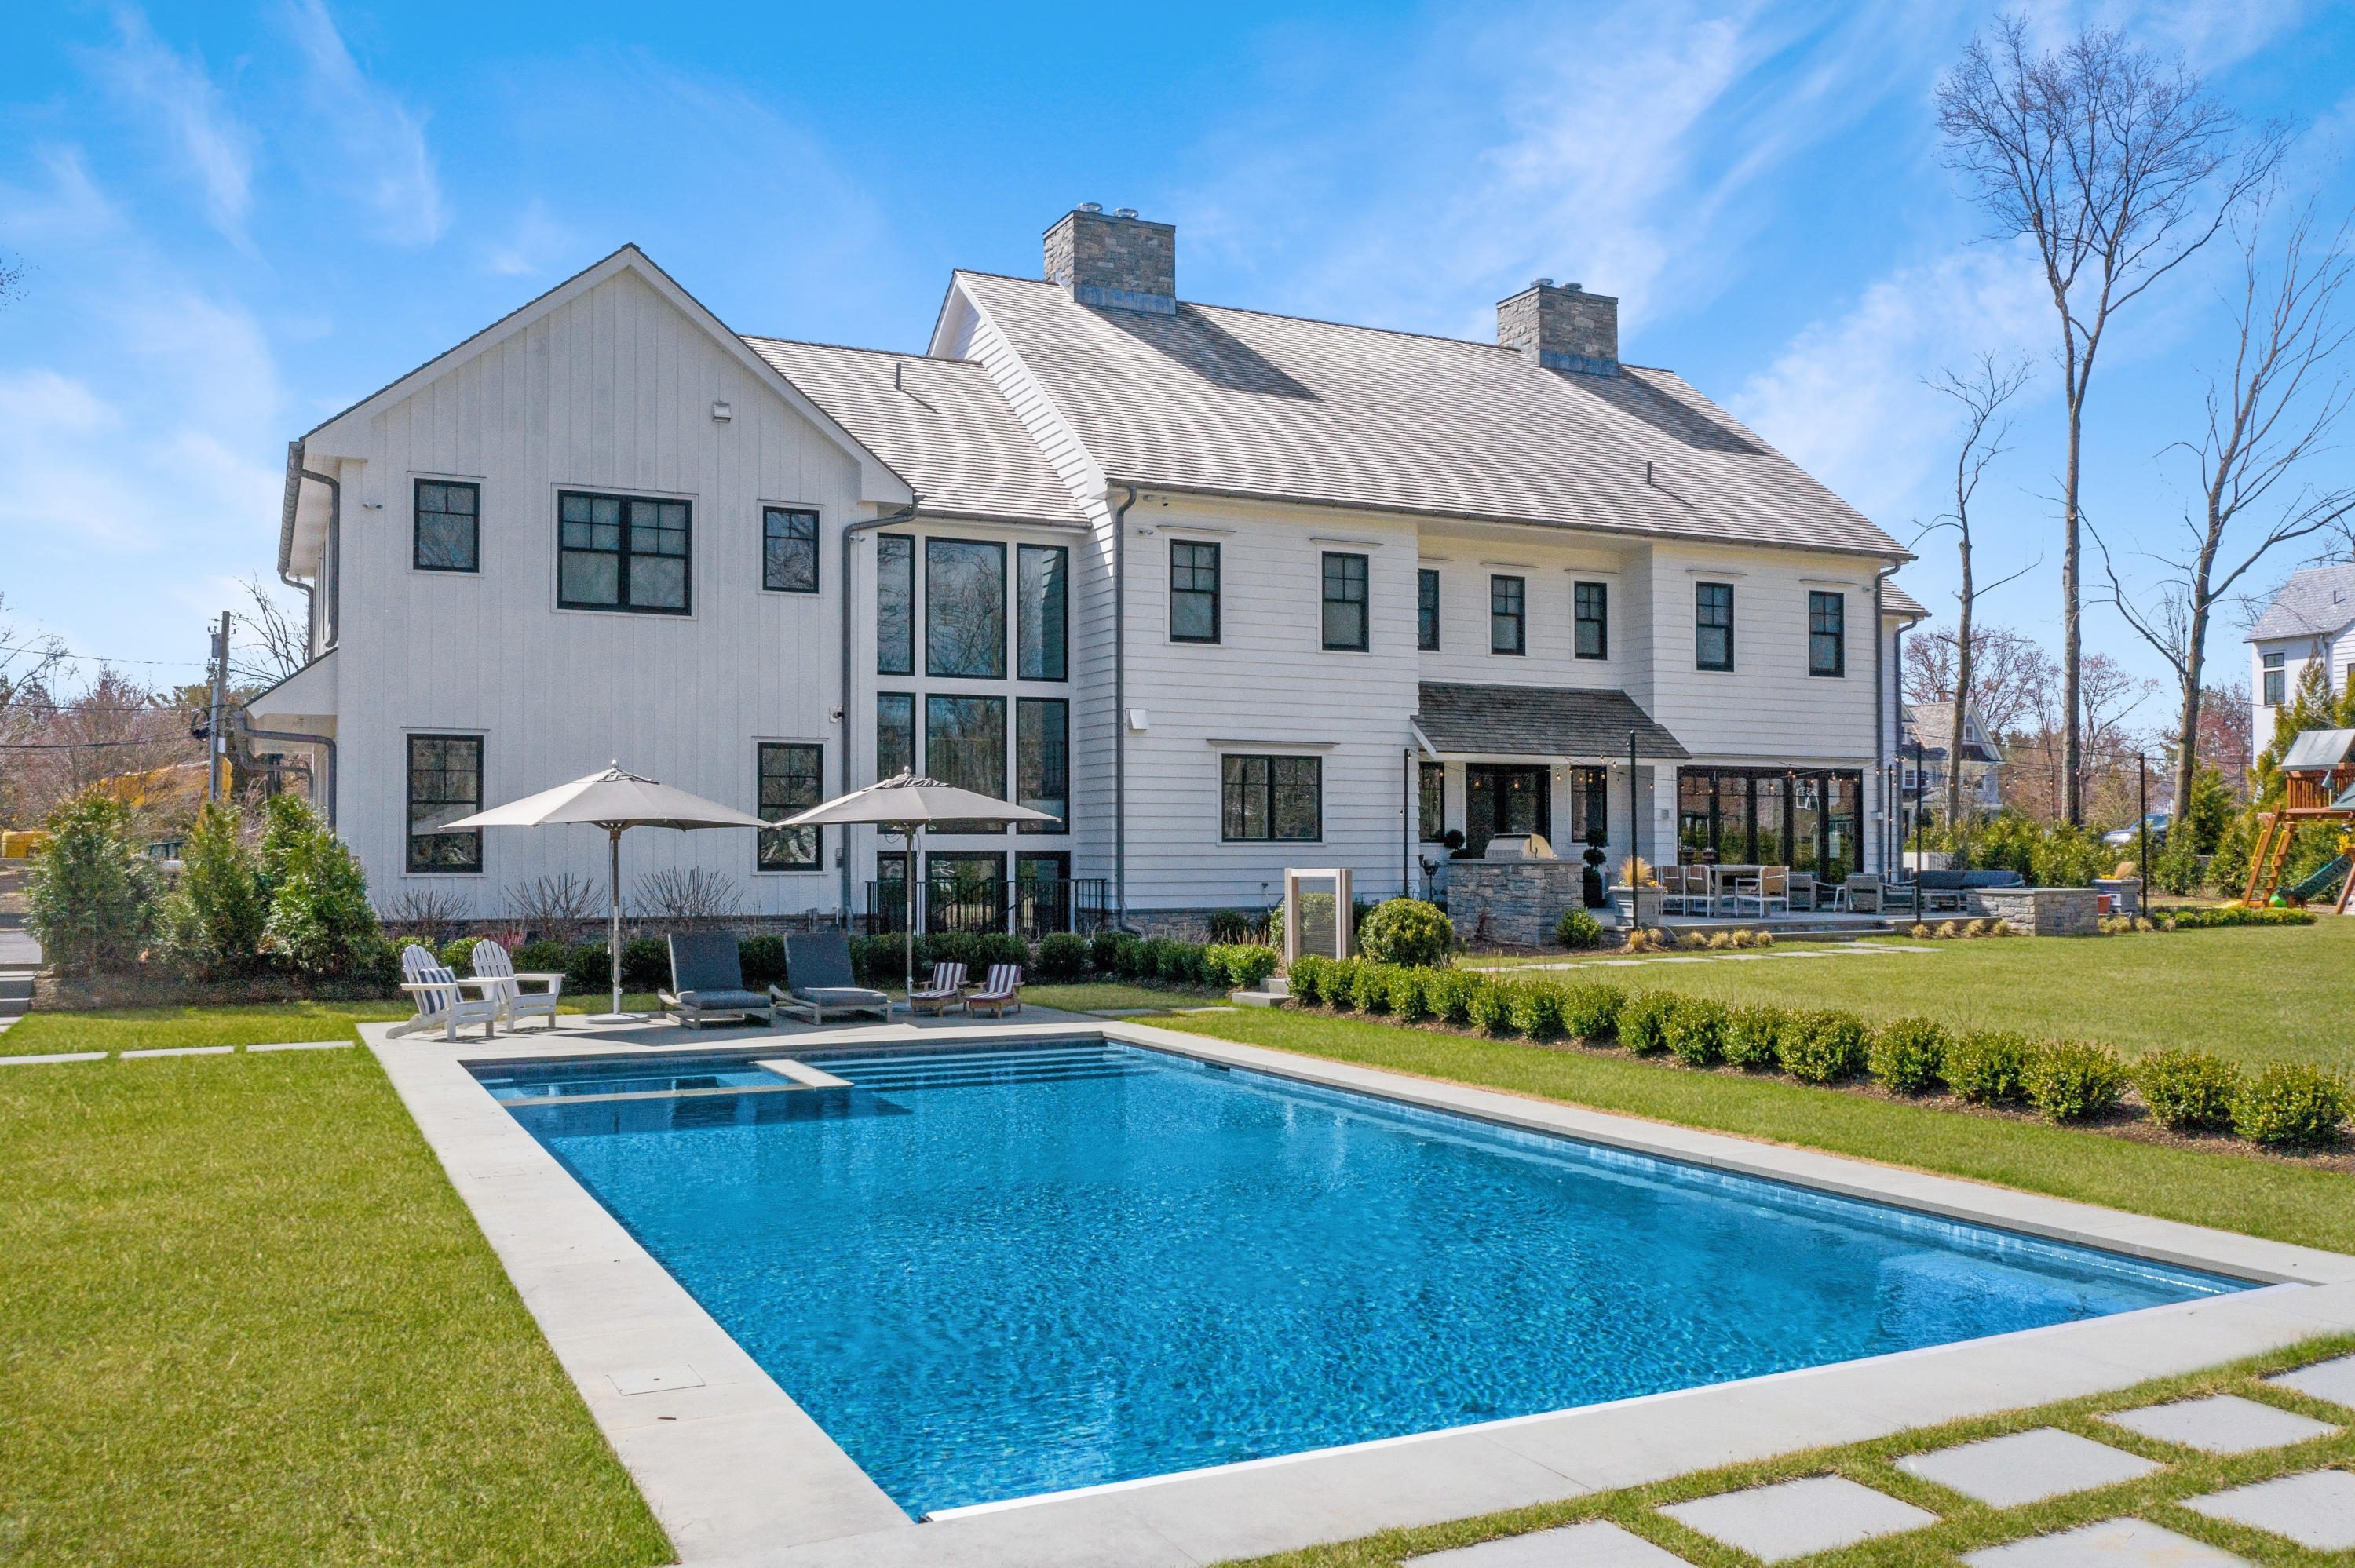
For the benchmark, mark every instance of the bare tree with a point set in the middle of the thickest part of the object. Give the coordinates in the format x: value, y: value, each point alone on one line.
x: 276, y: 643
x: 430, y: 915
x: 2010, y: 675
x: 2271, y: 412
x: 12, y: 279
x: 559, y: 906
x: 2120, y: 167
x: 692, y: 893
x: 1982, y: 394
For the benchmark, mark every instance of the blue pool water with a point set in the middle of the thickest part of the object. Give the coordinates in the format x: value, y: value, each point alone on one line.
x: 994, y: 1273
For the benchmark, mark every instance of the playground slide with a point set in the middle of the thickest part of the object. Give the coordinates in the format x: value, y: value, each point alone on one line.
x: 2320, y: 883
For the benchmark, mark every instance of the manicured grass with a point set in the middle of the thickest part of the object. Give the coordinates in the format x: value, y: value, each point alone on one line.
x: 1965, y: 1525
x: 2255, y: 993
x: 2312, y: 1207
x: 248, y: 1321
x: 155, y: 1028
x: 1093, y: 996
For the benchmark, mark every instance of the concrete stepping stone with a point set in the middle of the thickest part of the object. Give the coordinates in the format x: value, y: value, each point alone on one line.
x: 2113, y: 1543
x: 2316, y: 1509
x: 1598, y: 1543
x: 55, y: 1056
x: 2027, y: 1466
x: 305, y: 1045
x: 2221, y: 1424
x: 1797, y: 1519
x: 2331, y: 1380
x: 180, y: 1051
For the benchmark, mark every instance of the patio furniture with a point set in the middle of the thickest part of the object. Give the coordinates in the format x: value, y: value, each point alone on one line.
x: 442, y: 1000
x: 1859, y: 894
x: 1001, y: 990
x: 1672, y: 888
x: 1770, y: 887
x: 1802, y: 890
x: 494, y: 964
x: 817, y: 967
x: 1943, y: 887
x: 943, y: 990
x: 706, y: 978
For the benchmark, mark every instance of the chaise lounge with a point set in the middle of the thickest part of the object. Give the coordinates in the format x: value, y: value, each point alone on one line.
x: 817, y: 968
x: 706, y: 978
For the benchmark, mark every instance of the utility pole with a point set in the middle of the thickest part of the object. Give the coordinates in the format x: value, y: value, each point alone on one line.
x: 213, y: 750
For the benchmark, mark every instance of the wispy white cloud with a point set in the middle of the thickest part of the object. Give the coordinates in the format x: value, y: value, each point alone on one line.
x: 177, y: 96
x: 382, y: 144
x: 533, y: 246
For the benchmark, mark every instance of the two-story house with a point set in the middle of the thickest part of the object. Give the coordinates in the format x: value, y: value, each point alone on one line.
x: 2311, y: 619
x: 1926, y: 753
x: 1219, y: 590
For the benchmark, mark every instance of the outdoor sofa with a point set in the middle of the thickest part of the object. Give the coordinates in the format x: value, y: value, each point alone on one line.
x: 706, y: 978
x: 817, y: 968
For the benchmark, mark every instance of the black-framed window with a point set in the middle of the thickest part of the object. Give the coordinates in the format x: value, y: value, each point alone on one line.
x: 1826, y: 635
x: 895, y: 733
x: 1278, y: 798
x: 1591, y: 603
x: 1345, y: 602
x: 790, y: 777
x: 1042, y: 762
x: 1590, y: 803
x: 1193, y: 592
x: 445, y: 783
x: 622, y: 552
x: 964, y: 745
x: 964, y: 608
x: 895, y: 604
x: 788, y: 550
x: 1713, y: 626
x: 1041, y: 612
x: 1508, y: 617
x: 449, y: 533
x: 1426, y: 609
x: 1432, y: 780
x: 2276, y: 680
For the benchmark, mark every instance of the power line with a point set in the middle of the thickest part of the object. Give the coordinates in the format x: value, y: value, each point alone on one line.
x: 103, y: 659
x: 87, y: 745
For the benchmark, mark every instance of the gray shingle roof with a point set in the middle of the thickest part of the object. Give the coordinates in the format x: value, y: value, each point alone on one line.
x: 1934, y: 727
x: 1896, y: 600
x: 942, y: 425
x: 1236, y: 402
x: 2316, y: 602
x: 1540, y: 721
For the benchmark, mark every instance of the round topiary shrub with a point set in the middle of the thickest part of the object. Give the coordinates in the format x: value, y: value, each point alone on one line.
x: 2073, y: 1081
x: 1535, y: 1008
x: 1907, y: 1056
x: 1988, y: 1067
x: 1823, y: 1047
x: 2188, y: 1091
x: 1578, y: 929
x: 1590, y: 1010
x: 1751, y: 1037
x: 1644, y: 1020
x: 1062, y: 955
x: 1490, y: 1006
x: 2291, y: 1105
x: 1406, y: 932
x: 1696, y: 1032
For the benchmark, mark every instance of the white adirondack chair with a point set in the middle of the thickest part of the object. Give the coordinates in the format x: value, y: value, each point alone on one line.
x: 442, y: 1000
x: 493, y: 963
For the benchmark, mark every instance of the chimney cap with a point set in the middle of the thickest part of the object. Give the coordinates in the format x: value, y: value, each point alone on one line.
x: 1123, y: 212
x: 1542, y: 283
x: 1090, y: 206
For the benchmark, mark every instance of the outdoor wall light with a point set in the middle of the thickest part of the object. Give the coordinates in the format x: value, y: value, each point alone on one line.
x: 722, y: 412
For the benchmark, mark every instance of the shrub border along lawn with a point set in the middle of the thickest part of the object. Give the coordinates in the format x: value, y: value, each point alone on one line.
x: 1965, y: 1525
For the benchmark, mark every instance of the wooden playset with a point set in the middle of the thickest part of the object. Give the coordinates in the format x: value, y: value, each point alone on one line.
x: 2318, y: 776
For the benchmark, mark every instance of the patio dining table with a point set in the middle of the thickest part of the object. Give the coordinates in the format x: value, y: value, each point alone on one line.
x: 1723, y: 879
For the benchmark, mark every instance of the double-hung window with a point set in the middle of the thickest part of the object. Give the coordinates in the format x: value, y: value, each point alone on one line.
x: 964, y: 608
x: 1713, y: 626
x: 1279, y: 798
x: 1042, y: 762
x: 1592, y: 605
x: 788, y: 550
x: 791, y: 779
x: 1041, y: 617
x: 1509, y: 615
x: 895, y: 605
x: 448, y: 527
x: 622, y: 552
x: 1193, y: 592
x: 1826, y: 635
x: 2276, y: 680
x: 1345, y: 602
x: 445, y: 783
x: 1426, y: 609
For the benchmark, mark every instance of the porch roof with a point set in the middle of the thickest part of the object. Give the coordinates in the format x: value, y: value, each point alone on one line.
x: 1541, y: 721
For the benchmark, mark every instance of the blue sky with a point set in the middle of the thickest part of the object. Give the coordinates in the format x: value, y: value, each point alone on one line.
x: 237, y: 218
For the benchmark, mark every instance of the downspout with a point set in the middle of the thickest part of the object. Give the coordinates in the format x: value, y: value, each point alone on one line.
x: 331, y: 558
x: 1880, y: 707
x: 327, y: 741
x: 850, y: 531
x: 1120, y: 705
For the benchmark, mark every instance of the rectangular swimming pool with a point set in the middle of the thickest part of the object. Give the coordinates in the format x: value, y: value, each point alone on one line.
x: 1008, y: 1269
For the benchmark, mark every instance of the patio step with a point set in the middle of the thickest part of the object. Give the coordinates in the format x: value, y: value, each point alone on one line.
x: 16, y: 992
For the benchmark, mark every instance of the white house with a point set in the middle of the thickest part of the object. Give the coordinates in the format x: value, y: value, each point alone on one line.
x: 2312, y: 618
x: 1926, y: 751
x: 1224, y: 591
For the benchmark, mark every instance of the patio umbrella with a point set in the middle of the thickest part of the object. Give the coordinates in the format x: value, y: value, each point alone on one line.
x: 902, y: 804
x: 614, y: 800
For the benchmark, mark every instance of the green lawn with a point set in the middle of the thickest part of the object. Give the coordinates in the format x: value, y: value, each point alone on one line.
x: 1963, y: 1525
x: 155, y: 1028
x: 2310, y: 1206
x: 248, y: 1321
x: 2256, y: 994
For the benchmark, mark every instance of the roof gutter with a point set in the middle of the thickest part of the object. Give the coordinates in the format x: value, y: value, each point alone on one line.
x: 842, y: 713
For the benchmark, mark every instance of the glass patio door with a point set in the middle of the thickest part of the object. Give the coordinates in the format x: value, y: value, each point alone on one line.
x: 1500, y: 800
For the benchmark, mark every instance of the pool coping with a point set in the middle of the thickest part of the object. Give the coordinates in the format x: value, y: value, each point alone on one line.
x: 740, y: 1473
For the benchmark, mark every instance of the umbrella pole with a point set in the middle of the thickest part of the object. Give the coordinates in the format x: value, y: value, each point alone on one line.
x: 613, y: 930
x: 908, y: 937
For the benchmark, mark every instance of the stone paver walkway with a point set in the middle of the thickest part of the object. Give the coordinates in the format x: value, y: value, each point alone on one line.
x: 2331, y: 1380
x: 2221, y: 1424
x: 2027, y: 1466
x: 2113, y: 1543
x: 1598, y: 1543
x: 1795, y: 1518
x: 2316, y: 1509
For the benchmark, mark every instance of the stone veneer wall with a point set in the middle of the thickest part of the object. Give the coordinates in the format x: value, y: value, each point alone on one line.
x: 1521, y: 898
x: 2041, y: 911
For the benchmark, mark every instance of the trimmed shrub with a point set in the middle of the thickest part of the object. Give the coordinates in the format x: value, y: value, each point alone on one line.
x: 320, y: 924
x: 1406, y: 932
x: 763, y: 960
x: 1534, y: 1007
x: 1449, y: 994
x: 1908, y: 1054
x: 1644, y: 1020
x: 1135, y: 959
x: 645, y: 964
x: 584, y: 969
x: 1823, y: 1047
x: 1577, y: 928
x: 1695, y: 1032
x: 545, y: 956
x: 1490, y: 1007
x: 878, y: 961
x: 1369, y: 987
x: 2234, y: 914
x: 1988, y: 1067
x: 2187, y: 1090
x: 1410, y: 994
x: 1062, y: 955
x: 1752, y: 1037
x: 2072, y: 1080
x: 1307, y: 975
x: 458, y: 954
x: 1181, y: 963
x: 1340, y: 986
x: 2290, y: 1106
x: 1103, y: 950
x: 1590, y: 1010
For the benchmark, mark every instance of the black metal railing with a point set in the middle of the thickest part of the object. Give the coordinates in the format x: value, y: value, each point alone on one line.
x: 1030, y: 907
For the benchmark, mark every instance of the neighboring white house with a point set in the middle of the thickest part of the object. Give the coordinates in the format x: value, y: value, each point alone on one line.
x: 1924, y: 753
x: 1224, y: 591
x: 2311, y: 618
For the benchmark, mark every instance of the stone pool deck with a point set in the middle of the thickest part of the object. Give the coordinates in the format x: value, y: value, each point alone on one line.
x: 739, y: 1474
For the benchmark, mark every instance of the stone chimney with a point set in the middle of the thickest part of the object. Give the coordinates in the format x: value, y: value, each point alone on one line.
x: 1566, y: 327
x: 1115, y: 259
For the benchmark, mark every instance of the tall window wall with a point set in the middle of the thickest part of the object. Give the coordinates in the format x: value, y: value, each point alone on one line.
x: 1808, y: 819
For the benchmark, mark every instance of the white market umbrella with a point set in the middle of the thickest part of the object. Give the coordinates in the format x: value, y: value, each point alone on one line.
x: 614, y: 800
x: 902, y: 804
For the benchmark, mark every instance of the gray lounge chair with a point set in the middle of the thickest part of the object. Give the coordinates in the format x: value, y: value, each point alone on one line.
x: 707, y: 980
x: 818, y: 966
